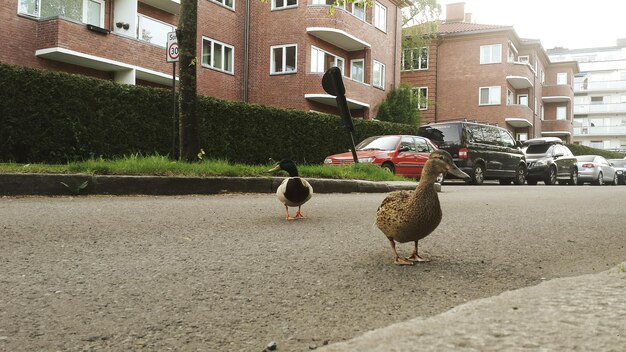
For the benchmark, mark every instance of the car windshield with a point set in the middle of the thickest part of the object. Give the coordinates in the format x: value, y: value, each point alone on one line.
x: 442, y: 135
x: 585, y: 158
x: 538, y: 149
x: 619, y: 163
x: 379, y: 143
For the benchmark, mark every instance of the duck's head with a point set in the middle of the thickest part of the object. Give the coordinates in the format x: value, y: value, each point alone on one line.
x: 286, y: 165
x: 440, y: 161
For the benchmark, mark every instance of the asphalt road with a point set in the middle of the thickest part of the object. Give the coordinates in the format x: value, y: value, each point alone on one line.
x: 228, y: 273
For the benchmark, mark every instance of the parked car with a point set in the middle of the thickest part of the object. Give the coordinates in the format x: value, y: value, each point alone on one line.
x: 595, y: 169
x: 620, y: 170
x: 400, y: 154
x: 482, y: 151
x: 548, y: 160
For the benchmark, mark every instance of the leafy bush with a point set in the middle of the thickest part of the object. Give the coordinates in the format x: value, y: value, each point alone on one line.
x: 578, y: 149
x: 53, y: 117
x: 401, y: 106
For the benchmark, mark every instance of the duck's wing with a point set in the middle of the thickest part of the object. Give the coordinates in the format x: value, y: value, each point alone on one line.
x: 394, y: 200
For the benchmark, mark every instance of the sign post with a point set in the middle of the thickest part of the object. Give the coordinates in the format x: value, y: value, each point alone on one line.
x: 173, y: 55
x: 333, y: 85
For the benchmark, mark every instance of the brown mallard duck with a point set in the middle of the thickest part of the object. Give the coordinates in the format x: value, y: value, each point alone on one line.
x: 294, y: 191
x: 406, y: 216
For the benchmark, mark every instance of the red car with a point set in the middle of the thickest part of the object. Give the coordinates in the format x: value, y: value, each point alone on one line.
x: 400, y: 154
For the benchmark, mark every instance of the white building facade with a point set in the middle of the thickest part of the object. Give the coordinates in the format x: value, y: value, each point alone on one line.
x: 599, y: 95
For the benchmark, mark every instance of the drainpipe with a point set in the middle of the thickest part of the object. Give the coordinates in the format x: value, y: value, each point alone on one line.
x: 438, y: 43
x: 535, y: 97
x: 246, y: 52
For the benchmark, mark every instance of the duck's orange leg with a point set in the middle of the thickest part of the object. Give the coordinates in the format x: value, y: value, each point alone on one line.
x: 289, y: 217
x: 299, y: 214
x: 415, y: 257
x: 396, y: 258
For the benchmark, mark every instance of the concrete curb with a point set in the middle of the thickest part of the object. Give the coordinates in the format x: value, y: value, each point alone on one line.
x: 583, y: 313
x: 62, y: 184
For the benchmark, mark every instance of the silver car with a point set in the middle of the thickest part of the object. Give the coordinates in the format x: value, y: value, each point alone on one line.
x: 596, y: 170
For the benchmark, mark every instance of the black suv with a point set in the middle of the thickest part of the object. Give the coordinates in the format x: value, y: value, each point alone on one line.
x: 620, y: 170
x: 549, y: 161
x: 482, y: 151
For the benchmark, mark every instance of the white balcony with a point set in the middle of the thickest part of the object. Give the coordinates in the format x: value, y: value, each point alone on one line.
x: 600, y: 131
x: 338, y: 38
x: 581, y: 86
x: 332, y: 101
x: 599, y: 108
x: 519, y: 82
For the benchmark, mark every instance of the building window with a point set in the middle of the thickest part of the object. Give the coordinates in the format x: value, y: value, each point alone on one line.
x: 523, y: 59
x: 378, y: 79
x: 228, y: 3
x: 283, y: 4
x: 522, y: 99
x: 542, y: 112
x: 283, y: 59
x: 322, y: 61
x: 491, y: 54
x: 561, y: 78
x: 218, y: 56
x: 415, y: 59
x: 358, y: 10
x: 561, y: 113
x: 380, y: 16
x: 421, y: 94
x: 357, y: 70
x: 153, y: 31
x: 489, y: 95
x: 341, y: 5
x: 522, y: 136
x: 86, y: 11
x: 509, y: 97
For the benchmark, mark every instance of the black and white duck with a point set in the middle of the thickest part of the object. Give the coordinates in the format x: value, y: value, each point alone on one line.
x: 294, y: 191
x: 406, y: 216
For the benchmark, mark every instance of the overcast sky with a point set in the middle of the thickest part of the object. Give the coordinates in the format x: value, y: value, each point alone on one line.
x: 567, y: 23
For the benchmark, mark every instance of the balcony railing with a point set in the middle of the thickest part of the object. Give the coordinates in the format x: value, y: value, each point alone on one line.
x: 600, y: 131
x: 580, y: 87
x: 599, y: 108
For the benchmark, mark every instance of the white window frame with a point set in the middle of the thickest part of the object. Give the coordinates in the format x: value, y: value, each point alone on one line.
x: 380, y: 16
x: 37, y: 12
x: 284, y: 61
x: 413, y: 52
x: 561, y: 113
x: 509, y: 97
x: 490, y: 54
x: 525, y: 59
x: 378, y: 81
x: 416, y: 93
x: 212, y: 65
x: 355, y: 6
x: 223, y: 3
x: 494, y: 95
x: 352, y: 62
x: 561, y: 78
x: 318, y: 60
x: 285, y: 6
x: 522, y: 136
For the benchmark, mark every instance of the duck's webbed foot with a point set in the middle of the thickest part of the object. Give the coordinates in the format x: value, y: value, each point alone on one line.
x: 397, y: 260
x: 299, y: 215
x: 416, y: 257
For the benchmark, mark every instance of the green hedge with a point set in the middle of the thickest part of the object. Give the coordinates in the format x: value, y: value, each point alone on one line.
x: 578, y: 149
x: 55, y: 117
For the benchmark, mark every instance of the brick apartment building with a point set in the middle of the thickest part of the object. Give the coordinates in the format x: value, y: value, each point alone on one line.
x: 486, y: 73
x: 272, y: 53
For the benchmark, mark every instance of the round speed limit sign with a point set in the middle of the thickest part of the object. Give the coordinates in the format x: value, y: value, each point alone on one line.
x: 172, y: 52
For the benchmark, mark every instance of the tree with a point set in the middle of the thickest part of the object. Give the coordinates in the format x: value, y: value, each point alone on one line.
x: 419, y: 23
x: 400, y: 106
x: 188, y: 120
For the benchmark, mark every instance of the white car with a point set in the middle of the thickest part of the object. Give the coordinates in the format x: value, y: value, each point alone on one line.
x: 596, y: 170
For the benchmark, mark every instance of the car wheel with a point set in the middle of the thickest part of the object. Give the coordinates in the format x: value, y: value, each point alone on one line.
x: 440, y: 178
x: 478, y: 174
x: 531, y: 181
x: 614, y: 180
x: 573, y: 177
x: 388, y: 167
x: 520, y: 175
x: 551, y: 176
x: 600, y: 180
